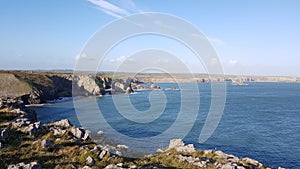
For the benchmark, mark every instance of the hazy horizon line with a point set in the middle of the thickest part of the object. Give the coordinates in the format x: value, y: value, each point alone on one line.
x: 108, y: 71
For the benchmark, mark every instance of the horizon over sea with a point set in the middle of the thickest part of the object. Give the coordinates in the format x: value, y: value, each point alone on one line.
x: 260, y: 120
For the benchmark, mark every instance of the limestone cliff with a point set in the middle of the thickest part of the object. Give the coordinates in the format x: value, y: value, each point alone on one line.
x: 37, y: 87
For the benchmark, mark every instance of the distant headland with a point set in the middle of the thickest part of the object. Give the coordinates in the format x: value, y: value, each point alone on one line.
x: 35, y: 87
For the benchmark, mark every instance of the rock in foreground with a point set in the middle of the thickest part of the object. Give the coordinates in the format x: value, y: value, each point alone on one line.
x: 26, y: 143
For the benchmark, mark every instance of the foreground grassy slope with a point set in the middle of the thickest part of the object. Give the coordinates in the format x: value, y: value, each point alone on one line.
x: 65, y: 152
x: 21, y: 147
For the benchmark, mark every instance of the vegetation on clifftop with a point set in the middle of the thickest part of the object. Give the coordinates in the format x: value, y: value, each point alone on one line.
x: 55, y: 146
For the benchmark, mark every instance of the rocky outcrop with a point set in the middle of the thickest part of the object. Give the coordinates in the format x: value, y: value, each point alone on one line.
x: 38, y: 87
x: 179, y: 146
x: 153, y: 86
x: 79, y: 133
x: 32, y: 165
x: 64, y: 126
x: 15, y: 104
x: 64, y: 123
x: 210, y: 158
x: 121, y: 86
x: 33, y: 129
x: 88, y: 84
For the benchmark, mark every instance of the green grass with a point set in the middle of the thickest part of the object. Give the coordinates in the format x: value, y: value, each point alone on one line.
x: 34, y: 80
x: 169, y: 159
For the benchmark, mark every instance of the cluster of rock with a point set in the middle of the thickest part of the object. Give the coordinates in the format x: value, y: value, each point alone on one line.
x: 32, y: 165
x: 26, y: 122
x: 217, y: 159
x: 104, y: 152
x: 139, y: 86
x: 64, y: 126
x: 121, y: 86
x: 8, y: 103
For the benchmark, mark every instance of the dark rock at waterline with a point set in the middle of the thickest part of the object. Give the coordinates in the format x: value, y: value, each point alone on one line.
x: 153, y: 86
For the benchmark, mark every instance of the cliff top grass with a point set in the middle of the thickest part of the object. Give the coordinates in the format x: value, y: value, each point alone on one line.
x: 65, y: 152
x: 21, y: 147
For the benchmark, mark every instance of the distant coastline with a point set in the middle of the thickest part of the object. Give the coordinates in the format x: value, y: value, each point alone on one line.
x: 36, y: 87
x: 164, y: 77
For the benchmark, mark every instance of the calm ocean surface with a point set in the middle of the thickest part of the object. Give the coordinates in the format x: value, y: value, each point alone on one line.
x: 260, y: 120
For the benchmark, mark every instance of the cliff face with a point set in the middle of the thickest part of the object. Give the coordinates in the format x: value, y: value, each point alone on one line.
x: 35, y: 88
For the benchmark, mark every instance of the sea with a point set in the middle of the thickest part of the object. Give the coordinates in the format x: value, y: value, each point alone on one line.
x: 259, y: 121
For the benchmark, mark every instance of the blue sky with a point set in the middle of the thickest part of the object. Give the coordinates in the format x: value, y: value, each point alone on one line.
x: 251, y: 37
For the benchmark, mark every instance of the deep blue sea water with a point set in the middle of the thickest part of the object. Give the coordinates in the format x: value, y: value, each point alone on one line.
x: 260, y: 120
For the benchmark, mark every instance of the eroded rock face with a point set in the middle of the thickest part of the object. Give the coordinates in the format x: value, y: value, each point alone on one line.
x: 220, y: 159
x: 36, y: 88
x: 89, y: 84
x: 33, y: 129
x: 65, y: 123
x: 58, y: 131
x: 79, y: 133
x: 176, y: 143
x: 119, y: 86
x: 26, y: 122
x: 179, y: 146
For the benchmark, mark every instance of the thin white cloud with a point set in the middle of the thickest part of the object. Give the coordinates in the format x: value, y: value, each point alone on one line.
x: 233, y: 62
x: 80, y: 56
x: 124, y: 7
x: 216, y: 40
x: 212, y: 40
x: 112, y: 14
x: 84, y: 57
x: 119, y: 59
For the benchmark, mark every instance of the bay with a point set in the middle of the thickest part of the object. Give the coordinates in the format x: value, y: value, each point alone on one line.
x: 260, y: 120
